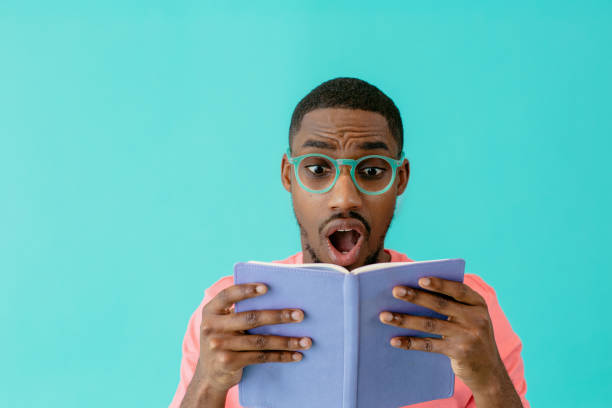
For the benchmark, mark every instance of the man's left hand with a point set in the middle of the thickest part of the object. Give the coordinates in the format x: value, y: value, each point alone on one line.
x: 467, y: 334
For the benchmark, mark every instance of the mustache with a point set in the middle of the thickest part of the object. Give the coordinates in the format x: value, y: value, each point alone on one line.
x: 350, y: 214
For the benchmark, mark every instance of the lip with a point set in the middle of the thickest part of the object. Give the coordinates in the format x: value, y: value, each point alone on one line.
x: 337, y: 257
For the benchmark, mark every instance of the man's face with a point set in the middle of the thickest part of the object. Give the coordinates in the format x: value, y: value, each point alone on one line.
x: 344, y: 226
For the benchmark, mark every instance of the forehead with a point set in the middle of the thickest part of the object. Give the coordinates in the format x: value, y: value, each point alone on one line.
x: 344, y: 128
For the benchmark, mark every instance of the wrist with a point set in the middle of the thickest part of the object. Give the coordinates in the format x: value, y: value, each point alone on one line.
x: 498, y: 391
x: 204, y: 392
x: 210, y: 389
x: 491, y: 390
x: 207, y: 384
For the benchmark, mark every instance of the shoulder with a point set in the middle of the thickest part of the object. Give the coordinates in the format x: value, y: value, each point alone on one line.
x: 505, y: 336
x: 293, y: 259
x: 479, y: 285
x: 397, y: 256
x: 486, y: 291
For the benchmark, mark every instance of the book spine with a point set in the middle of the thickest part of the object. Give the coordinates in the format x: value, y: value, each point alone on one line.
x: 351, y: 340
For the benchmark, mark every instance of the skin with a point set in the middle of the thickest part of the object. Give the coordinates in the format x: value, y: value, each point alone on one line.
x: 467, y: 335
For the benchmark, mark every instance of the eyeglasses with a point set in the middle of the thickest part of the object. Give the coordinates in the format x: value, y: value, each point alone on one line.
x: 318, y: 173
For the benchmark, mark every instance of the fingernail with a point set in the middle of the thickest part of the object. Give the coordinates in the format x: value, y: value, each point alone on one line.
x: 296, y: 315
x: 396, y: 342
x: 400, y: 291
x: 386, y: 316
x: 296, y: 356
x: 424, y: 281
x: 304, y: 342
x: 261, y: 289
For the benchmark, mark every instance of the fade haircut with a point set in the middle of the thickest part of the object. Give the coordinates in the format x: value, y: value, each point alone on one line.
x: 350, y: 93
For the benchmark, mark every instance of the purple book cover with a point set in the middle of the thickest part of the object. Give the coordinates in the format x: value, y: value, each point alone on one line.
x: 351, y: 363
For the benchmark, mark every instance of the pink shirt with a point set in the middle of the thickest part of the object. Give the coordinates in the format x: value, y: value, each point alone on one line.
x: 508, y: 344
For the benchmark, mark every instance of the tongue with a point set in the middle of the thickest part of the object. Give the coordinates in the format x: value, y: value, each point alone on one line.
x: 344, y: 241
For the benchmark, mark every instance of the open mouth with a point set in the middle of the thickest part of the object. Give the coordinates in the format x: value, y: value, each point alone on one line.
x: 344, y: 240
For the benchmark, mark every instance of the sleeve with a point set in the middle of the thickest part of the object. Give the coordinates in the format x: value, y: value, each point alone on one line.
x: 191, y: 342
x: 508, y: 343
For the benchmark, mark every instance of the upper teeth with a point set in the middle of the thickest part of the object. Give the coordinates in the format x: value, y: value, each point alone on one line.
x: 344, y: 230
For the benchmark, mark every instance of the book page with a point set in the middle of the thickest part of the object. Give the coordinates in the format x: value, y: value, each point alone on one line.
x: 324, y: 266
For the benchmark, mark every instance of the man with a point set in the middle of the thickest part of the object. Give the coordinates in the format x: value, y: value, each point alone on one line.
x: 344, y: 202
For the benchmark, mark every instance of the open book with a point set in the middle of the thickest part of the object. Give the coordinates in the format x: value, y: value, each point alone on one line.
x: 351, y: 363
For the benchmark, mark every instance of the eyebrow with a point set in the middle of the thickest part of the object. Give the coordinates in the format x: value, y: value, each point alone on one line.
x: 363, y: 146
x: 374, y: 146
x: 318, y: 144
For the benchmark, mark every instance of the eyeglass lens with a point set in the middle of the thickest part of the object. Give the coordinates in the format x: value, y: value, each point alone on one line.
x: 318, y: 173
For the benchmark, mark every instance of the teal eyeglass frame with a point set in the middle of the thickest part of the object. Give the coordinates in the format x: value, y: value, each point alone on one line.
x: 346, y: 162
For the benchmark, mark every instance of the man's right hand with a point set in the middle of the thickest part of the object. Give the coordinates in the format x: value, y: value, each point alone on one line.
x: 225, y: 348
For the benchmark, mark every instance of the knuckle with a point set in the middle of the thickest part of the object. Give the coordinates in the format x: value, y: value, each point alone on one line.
x: 407, y: 342
x: 429, y: 324
x: 479, y: 299
x: 251, y: 317
x: 481, y: 320
x: 224, y: 295
x: 441, y: 303
x: 206, y: 328
x: 461, y: 351
x: 225, y: 357
x: 262, y: 357
x: 427, y: 345
x: 215, y: 343
x: 462, y: 291
x: 410, y: 293
x: 482, y: 323
x: 284, y: 315
x: 473, y: 336
x: 247, y: 290
x: 260, y: 342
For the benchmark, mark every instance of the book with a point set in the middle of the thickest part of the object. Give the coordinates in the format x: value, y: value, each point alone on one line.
x: 351, y: 363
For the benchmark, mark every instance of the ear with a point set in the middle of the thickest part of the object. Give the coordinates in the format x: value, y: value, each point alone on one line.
x: 286, y: 173
x: 403, y: 174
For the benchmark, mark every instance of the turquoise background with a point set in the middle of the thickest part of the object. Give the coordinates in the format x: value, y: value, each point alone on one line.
x: 140, y: 148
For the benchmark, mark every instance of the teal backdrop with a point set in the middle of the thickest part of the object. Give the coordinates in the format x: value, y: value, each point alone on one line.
x: 140, y: 148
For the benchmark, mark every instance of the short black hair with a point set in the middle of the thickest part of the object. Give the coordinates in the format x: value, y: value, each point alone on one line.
x: 350, y: 93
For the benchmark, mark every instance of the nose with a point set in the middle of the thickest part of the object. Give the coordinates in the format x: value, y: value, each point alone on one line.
x: 344, y: 194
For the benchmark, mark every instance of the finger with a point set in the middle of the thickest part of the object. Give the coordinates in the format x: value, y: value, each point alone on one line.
x: 255, y: 318
x: 419, y: 343
x: 421, y: 323
x: 457, y: 290
x: 259, y: 357
x: 261, y: 342
x: 227, y: 297
x: 440, y: 304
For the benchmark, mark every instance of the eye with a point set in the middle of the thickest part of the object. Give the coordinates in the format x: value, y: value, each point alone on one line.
x: 317, y: 169
x: 372, y: 171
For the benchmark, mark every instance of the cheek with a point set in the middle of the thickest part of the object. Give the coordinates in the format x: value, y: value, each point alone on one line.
x: 307, y: 208
x: 382, y: 212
